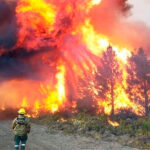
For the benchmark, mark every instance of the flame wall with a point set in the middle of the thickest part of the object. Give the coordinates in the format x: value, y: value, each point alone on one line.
x: 46, y: 46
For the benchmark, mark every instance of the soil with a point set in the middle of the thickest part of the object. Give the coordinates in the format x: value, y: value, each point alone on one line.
x: 41, y: 139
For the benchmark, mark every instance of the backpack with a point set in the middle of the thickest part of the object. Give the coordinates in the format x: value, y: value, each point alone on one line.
x: 21, y: 126
x: 21, y: 121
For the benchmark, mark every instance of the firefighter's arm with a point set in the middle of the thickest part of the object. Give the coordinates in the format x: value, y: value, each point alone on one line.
x: 28, y: 126
x: 14, y: 123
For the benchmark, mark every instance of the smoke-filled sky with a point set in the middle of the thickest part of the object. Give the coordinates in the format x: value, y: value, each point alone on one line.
x: 108, y: 18
x: 141, y: 10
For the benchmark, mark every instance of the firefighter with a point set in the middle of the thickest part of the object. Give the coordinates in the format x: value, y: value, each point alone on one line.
x: 21, y: 128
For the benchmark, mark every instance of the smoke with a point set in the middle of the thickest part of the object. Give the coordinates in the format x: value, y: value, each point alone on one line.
x: 32, y: 48
x: 13, y: 65
x: 8, y: 29
x: 17, y: 62
x: 111, y: 19
x: 108, y: 18
x: 13, y: 68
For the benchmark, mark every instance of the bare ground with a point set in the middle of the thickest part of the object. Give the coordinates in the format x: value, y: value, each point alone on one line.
x: 41, y: 139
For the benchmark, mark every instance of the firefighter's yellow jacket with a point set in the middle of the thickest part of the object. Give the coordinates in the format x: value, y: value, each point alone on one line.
x: 21, y: 125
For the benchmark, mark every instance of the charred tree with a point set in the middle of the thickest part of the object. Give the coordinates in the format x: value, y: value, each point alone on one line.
x: 138, y: 80
x: 108, y: 74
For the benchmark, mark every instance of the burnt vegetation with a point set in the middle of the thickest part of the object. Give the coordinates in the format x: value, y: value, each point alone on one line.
x: 131, y: 129
x: 109, y: 76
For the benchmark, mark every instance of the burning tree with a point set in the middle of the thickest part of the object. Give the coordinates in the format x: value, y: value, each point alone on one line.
x: 108, y: 75
x: 87, y: 95
x: 138, y: 80
x: 51, y: 45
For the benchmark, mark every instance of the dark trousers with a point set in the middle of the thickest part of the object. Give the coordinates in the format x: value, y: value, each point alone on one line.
x: 22, y: 139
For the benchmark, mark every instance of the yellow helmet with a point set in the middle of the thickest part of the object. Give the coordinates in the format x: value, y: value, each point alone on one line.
x: 21, y: 111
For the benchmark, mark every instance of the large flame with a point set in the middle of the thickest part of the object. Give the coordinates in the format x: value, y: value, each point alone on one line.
x: 69, y: 48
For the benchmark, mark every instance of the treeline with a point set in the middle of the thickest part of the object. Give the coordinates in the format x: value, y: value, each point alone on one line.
x: 110, y: 73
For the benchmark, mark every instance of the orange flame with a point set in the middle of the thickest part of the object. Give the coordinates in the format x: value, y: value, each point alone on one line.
x: 113, y: 123
x: 2, y: 107
x: 24, y: 102
x: 56, y: 98
x: 96, y: 2
x: 43, y: 24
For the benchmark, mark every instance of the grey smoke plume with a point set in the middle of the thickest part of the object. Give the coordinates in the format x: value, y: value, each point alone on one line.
x: 8, y: 28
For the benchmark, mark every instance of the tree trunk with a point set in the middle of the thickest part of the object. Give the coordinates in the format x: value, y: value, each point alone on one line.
x: 112, y: 99
x: 146, y: 107
x: 146, y: 103
x: 146, y: 100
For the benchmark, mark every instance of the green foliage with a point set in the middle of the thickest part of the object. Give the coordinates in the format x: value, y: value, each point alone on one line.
x: 133, y: 131
x: 144, y: 127
x: 146, y: 146
x: 85, y: 123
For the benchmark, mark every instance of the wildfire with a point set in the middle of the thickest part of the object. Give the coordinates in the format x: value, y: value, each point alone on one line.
x: 113, y: 123
x: 61, y: 83
x: 39, y: 7
x: 60, y: 48
x: 24, y: 102
x: 97, y: 43
x: 96, y: 2
x: 62, y: 120
x: 55, y: 98
x: 2, y: 107
x: 37, y: 15
x: 93, y: 3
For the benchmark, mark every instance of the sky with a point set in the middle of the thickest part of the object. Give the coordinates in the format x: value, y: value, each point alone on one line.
x: 141, y: 10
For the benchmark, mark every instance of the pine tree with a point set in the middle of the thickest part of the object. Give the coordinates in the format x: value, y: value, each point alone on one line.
x: 138, y: 80
x: 108, y: 74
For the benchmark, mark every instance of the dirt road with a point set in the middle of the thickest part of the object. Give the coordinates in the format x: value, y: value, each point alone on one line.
x: 40, y: 139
